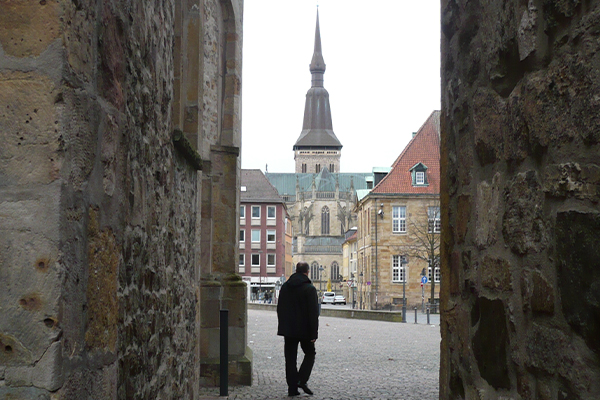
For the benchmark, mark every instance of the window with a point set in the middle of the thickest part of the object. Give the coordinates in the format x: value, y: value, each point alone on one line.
x: 242, y: 211
x: 270, y: 260
x: 242, y: 260
x: 255, y: 260
x: 399, y: 219
x: 399, y: 268
x: 242, y: 235
x: 335, y: 271
x: 255, y: 211
x: 303, y: 168
x: 255, y: 236
x: 314, y: 271
x: 271, y: 236
x: 271, y: 212
x: 434, y: 222
x: 331, y: 168
x: 437, y: 274
x: 243, y: 188
x: 419, y: 175
x: 325, y: 221
x: 318, y: 168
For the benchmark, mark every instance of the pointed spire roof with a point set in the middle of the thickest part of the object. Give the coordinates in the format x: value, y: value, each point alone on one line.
x: 317, y: 128
x: 317, y: 64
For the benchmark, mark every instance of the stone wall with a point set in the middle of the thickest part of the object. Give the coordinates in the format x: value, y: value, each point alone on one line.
x: 521, y: 175
x: 106, y: 221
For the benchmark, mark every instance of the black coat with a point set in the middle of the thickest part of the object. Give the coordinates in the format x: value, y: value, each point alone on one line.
x: 298, y: 308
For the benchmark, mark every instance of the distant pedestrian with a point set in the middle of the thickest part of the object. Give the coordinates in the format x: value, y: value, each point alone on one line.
x: 298, y: 317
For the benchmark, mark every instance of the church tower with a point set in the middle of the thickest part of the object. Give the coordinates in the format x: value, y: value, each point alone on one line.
x: 317, y: 147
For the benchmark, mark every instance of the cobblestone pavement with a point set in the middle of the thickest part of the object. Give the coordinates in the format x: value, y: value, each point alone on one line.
x: 356, y: 359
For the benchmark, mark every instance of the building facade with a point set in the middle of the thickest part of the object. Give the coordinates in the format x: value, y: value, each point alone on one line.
x: 263, y: 237
x: 119, y: 197
x: 398, y: 236
x: 320, y: 199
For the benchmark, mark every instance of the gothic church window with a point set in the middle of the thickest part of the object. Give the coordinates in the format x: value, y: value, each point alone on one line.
x: 325, y: 221
x: 335, y: 271
x: 317, y: 168
x: 314, y: 271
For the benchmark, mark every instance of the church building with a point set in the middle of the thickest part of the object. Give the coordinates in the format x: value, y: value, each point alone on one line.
x: 319, y: 197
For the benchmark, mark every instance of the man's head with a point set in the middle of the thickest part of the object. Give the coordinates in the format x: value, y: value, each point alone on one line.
x: 302, y: 267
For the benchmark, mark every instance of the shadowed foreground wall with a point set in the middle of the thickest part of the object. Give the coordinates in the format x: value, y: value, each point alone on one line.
x: 520, y: 199
x: 112, y: 272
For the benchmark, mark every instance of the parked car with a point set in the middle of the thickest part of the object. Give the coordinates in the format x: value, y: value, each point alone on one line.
x: 339, y: 299
x: 328, y: 297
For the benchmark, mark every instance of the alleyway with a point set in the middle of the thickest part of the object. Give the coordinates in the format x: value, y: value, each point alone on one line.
x: 356, y: 359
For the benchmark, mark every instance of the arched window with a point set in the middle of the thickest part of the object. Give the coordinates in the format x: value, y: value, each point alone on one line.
x: 325, y: 221
x: 314, y: 271
x: 335, y: 271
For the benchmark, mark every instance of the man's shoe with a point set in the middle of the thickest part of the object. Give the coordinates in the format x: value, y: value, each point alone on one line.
x: 296, y: 393
x: 305, y: 388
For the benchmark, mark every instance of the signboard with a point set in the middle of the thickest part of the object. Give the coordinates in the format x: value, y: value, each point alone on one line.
x: 349, y: 283
x: 423, y: 279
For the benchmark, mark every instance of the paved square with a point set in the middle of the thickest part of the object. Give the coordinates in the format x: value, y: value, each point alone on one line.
x: 356, y: 359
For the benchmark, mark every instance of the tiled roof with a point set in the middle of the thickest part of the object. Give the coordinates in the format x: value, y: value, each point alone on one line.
x: 424, y: 148
x: 325, y: 181
x: 258, y: 188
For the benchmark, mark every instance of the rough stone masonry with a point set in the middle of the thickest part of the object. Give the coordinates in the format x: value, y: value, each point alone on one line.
x: 120, y: 132
x: 521, y: 189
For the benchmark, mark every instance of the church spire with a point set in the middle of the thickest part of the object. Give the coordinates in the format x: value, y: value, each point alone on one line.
x: 317, y: 65
x: 317, y: 147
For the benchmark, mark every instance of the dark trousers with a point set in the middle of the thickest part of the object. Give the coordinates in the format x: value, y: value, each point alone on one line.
x: 292, y: 374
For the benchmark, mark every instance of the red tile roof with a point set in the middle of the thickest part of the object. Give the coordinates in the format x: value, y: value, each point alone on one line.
x: 424, y: 148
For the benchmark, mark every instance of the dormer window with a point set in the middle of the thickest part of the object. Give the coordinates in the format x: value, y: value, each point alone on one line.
x: 419, y: 175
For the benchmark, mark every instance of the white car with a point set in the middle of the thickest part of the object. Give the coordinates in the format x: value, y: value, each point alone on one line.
x: 339, y: 299
x: 328, y: 297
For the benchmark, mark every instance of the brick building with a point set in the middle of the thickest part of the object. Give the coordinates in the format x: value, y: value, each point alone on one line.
x: 264, y: 236
x: 399, y: 225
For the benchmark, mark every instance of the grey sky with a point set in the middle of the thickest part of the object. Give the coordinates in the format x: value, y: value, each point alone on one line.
x: 383, y: 76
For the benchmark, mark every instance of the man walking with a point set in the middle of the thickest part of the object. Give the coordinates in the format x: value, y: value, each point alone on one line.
x: 298, y: 317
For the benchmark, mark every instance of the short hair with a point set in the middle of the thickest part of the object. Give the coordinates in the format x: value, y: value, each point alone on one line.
x: 302, y: 267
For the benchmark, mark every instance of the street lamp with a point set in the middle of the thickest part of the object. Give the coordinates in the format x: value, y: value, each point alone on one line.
x: 360, y: 280
x: 321, y: 268
x: 403, y: 262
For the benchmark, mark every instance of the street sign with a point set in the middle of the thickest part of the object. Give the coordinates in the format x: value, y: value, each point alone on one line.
x: 349, y: 283
x: 423, y: 279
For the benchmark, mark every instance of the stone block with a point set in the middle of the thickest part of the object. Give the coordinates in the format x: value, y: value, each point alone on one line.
x: 495, y: 274
x: 487, y: 209
x: 28, y: 27
x: 537, y: 292
x: 489, y: 125
x: 7, y: 392
x: 524, y: 224
x: 490, y: 343
x: 463, y: 217
x: 48, y: 371
x: 572, y: 179
x: 578, y: 268
x: 29, y: 129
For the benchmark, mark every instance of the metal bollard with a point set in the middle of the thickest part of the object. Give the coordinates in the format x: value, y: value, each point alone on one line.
x: 224, y: 360
x: 415, y: 314
x: 427, y: 314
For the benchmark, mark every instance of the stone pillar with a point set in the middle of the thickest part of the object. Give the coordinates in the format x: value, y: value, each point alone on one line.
x: 520, y: 177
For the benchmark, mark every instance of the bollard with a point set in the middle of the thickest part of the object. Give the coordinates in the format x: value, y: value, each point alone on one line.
x: 415, y: 314
x: 427, y: 314
x: 224, y: 360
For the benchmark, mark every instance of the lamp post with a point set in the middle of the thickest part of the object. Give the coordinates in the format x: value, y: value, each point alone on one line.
x: 360, y: 280
x: 403, y: 262
x: 321, y: 268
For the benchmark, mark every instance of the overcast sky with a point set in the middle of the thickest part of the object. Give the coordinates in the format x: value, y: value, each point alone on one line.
x: 383, y: 76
